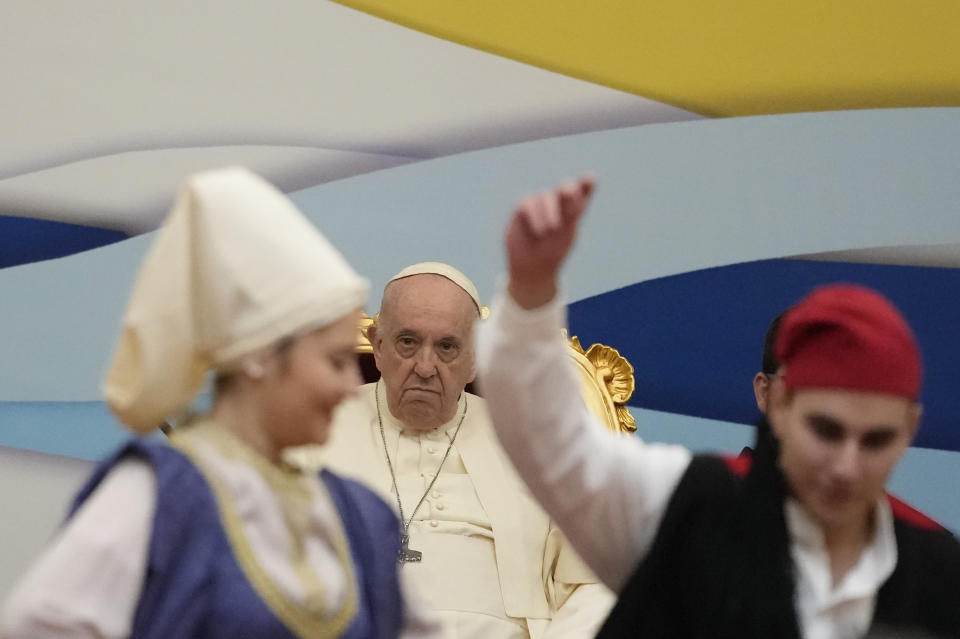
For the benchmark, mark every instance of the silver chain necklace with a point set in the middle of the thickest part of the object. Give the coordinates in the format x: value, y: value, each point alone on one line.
x: 406, y: 554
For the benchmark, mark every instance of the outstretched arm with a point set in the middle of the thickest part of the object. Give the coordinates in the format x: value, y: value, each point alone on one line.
x: 607, y: 493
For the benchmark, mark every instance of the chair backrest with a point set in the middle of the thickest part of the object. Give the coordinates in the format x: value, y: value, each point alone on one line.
x: 606, y: 377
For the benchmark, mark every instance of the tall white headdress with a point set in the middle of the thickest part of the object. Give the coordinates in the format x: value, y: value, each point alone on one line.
x: 234, y: 268
x: 447, y: 271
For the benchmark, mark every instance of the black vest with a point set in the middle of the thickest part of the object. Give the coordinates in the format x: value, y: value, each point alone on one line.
x: 700, y: 580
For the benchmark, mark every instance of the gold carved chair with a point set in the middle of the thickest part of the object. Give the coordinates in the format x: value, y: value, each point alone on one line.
x: 606, y: 377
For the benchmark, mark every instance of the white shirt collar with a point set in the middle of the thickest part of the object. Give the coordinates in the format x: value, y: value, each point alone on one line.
x: 873, y: 568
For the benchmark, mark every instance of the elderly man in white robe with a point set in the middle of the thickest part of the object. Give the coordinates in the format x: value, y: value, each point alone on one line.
x: 483, y: 554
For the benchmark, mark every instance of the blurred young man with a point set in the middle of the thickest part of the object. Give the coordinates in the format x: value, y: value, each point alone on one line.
x: 802, y: 542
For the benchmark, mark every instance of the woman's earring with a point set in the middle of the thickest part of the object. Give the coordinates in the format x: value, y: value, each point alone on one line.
x: 253, y: 369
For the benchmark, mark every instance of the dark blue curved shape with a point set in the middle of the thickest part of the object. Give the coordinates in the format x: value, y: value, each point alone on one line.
x: 24, y: 240
x: 696, y: 339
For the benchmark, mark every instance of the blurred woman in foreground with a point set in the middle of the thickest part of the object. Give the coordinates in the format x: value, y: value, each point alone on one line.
x: 213, y: 535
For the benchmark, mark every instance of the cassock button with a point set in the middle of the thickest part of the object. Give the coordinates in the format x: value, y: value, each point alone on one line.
x: 432, y: 450
x: 439, y: 506
x: 435, y: 494
x: 434, y: 523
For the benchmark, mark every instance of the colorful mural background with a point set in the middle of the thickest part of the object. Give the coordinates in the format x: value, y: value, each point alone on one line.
x: 406, y: 145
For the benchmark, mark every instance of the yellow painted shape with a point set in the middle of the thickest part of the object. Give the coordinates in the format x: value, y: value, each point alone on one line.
x: 723, y: 58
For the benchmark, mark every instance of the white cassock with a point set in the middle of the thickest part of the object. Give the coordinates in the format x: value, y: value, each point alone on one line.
x: 493, y: 566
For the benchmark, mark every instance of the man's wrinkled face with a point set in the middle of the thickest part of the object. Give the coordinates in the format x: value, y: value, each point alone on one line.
x: 423, y: 347
x: 838, y: 447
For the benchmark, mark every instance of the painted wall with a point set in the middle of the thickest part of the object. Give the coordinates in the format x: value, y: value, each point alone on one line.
x: 672, y: 198
x: 35, y: 492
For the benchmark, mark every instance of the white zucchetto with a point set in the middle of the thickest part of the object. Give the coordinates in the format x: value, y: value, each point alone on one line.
x: 234, y: 268
x: 444, y: 270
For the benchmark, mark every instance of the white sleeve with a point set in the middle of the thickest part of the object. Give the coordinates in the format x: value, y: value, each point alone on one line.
x: 582, y: 613
x: 418, y: 621
x: 607, y: 493
x: 88, y: 582
x: 578, y: 603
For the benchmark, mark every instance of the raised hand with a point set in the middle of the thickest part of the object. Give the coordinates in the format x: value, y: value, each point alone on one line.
x: 539, y: 237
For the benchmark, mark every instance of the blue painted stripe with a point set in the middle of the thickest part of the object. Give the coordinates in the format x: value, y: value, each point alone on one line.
x: 85, y: 430
x: 24, y: 240
x: 696, y: 339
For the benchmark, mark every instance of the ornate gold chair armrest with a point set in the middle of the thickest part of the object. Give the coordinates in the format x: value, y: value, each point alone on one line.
x: 606, y: 383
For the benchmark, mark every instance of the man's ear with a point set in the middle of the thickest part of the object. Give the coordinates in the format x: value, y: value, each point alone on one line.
x: 914, y: 415
x: 473, y: 369
x: 761, y: 390
x: 778, y: 398
x: 472, y: 346
x: 376, y: 342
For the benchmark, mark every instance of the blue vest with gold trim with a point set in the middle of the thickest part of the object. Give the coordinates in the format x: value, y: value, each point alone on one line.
x: 194, y: 587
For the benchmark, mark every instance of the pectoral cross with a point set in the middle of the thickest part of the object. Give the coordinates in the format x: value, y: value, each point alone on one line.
x: 406, y: 555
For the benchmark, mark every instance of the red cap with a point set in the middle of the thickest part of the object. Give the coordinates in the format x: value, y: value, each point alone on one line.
x: 850, y: 337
